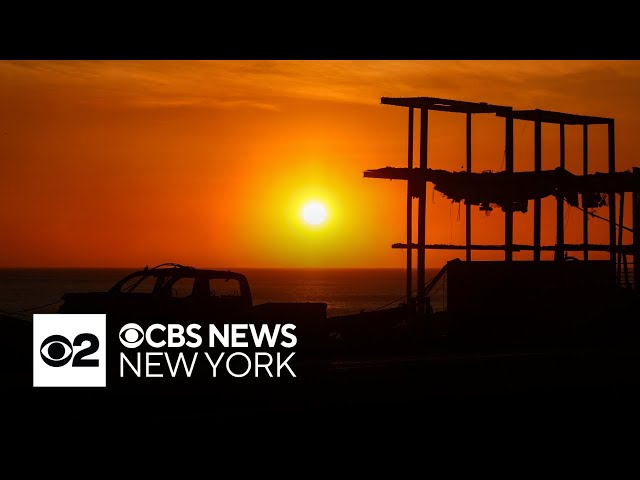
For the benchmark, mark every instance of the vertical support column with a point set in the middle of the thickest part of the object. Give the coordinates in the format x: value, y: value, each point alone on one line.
x: 468, y: 205
x: 612, y: 196
x: 508, y: 216
x: 560, y: 205
x: 537, y: 202
x: 422, y: 209
x: 635, y: 213
x: 585, y: 171
x: 410, y: 215
x: 620, y: 254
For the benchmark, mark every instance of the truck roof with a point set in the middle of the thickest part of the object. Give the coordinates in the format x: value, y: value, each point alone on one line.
x: 175, y: 269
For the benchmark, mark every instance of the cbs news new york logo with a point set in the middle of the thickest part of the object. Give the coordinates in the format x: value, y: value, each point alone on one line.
x: 69, y: 350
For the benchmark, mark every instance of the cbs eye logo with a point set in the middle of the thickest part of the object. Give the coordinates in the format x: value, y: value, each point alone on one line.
x: 131, y: 335
x: 64, y: 345
x: 56, y: 351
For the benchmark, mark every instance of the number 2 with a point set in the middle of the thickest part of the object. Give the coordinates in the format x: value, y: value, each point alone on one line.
x: 78, y: 359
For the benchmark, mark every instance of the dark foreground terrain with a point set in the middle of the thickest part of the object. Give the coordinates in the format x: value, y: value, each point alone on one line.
x: 541, y: 391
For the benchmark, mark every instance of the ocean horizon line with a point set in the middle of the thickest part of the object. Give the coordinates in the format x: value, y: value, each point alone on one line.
x: 136, y: 268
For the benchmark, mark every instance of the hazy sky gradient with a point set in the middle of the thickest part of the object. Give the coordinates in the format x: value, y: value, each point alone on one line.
x: 126, y: 163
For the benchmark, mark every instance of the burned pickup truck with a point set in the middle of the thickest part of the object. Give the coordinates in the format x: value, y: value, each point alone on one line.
x: 174, y: 293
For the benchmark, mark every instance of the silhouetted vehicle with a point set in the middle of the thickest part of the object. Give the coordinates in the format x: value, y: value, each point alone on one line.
x: 174, y: 293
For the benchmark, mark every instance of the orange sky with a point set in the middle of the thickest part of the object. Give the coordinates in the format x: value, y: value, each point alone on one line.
x: 207, y: 163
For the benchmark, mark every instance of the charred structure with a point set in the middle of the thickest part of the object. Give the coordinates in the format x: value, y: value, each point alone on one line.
x: 511, y: 191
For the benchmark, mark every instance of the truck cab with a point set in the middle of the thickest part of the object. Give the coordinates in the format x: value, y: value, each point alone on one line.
x: 168, y: 291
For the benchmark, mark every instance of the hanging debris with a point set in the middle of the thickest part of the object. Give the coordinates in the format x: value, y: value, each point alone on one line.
x: 512, y: 191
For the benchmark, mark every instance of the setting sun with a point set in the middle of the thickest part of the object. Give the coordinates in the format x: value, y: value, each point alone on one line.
x: 265, y: 158
x: 314, y: 213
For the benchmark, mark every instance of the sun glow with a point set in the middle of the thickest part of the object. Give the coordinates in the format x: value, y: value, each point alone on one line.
x: 314, y: 213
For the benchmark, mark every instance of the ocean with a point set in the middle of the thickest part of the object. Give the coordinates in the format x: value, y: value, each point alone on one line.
x: 345, y: 291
